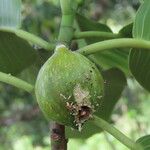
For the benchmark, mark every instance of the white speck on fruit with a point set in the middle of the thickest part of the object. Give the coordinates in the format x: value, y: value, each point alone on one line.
x: 63, y: 96
x: 97, y: 104
x: 99, y: 97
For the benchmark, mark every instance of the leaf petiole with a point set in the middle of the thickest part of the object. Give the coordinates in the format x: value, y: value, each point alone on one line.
x: 30, y: 38
x: 9, y: 79
x: 115, y: 43
x: 116, y: 133
x: 91, y: 34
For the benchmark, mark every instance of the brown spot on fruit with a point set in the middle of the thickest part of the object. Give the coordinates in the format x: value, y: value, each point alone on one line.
x: 81, y: 113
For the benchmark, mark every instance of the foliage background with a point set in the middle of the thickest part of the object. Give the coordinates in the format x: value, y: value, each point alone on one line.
x: 22, y: 125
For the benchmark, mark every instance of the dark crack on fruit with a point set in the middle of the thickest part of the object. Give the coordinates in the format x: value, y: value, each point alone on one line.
x: 84, y: 113
x: 81, y: 113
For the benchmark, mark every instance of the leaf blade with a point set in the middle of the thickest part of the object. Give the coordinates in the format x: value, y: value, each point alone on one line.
x: 88, y: 25
x: 144, y: 142
x: 10, y: 13
x: 107, y: 59
x: 15, y: 53
x: 126, y: 31
x: 139, y: 59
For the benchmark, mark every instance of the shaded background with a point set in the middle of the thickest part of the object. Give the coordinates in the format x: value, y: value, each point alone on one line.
x: 22, y: 125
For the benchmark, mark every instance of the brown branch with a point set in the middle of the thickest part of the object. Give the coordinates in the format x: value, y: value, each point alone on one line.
x: 58, y: 140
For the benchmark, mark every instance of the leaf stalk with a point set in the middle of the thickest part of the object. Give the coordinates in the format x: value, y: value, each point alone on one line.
x: 116, y: 133
x: 9, y: 79
x: 115, y: 43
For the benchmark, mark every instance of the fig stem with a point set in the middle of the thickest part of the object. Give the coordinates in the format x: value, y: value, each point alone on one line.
x: 9, y: 79
x: 58, y: 140
x: 91, y: 34
x: 114, y: 43
x: 30, y: 38
x: 116, y: 133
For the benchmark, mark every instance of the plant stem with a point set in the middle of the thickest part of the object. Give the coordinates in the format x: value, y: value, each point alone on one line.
x: 91, y: 34
x: 66, y: 28
x: 30, y: 38
x: 116, y: 133
x: 115, y: 43
x: 58, y: 140
x: 9, y: 79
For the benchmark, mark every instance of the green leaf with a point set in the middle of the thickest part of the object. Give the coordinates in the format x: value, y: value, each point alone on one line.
x: 144, y: 142
x: 106, y: 59
x: 88, y: 25
x: 141, y: 1
x: 16, y: 54
x: 115, y: 82
x: 139, y: 60
x: 111, y: 58
x: 10, y: 13
x: 126, y: 31
x: 30, y: 74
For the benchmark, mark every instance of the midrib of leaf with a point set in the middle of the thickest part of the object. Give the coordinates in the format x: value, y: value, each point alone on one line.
x: 144, y: 22
x: 139, y: 29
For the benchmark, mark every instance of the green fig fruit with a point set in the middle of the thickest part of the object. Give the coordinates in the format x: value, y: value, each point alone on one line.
x: 69, y: 88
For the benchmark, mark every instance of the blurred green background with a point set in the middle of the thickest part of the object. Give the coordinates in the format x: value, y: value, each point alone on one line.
x: 22, y: 125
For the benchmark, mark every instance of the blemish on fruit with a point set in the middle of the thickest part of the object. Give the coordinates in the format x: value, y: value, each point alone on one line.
x: 81, y: 96
x: 81, y: 113
x: 93, y: 67
x: 81, y: 109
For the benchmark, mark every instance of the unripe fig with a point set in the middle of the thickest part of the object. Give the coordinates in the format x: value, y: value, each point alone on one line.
x: 69, y: 88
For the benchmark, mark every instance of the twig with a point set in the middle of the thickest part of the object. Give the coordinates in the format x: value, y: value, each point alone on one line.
x: 58, y: 140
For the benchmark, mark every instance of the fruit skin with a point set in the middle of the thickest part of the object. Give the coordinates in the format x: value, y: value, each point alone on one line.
x: 65, y: 81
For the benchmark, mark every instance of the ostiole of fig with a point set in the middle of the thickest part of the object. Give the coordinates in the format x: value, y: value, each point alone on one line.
x: 69, y: 88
